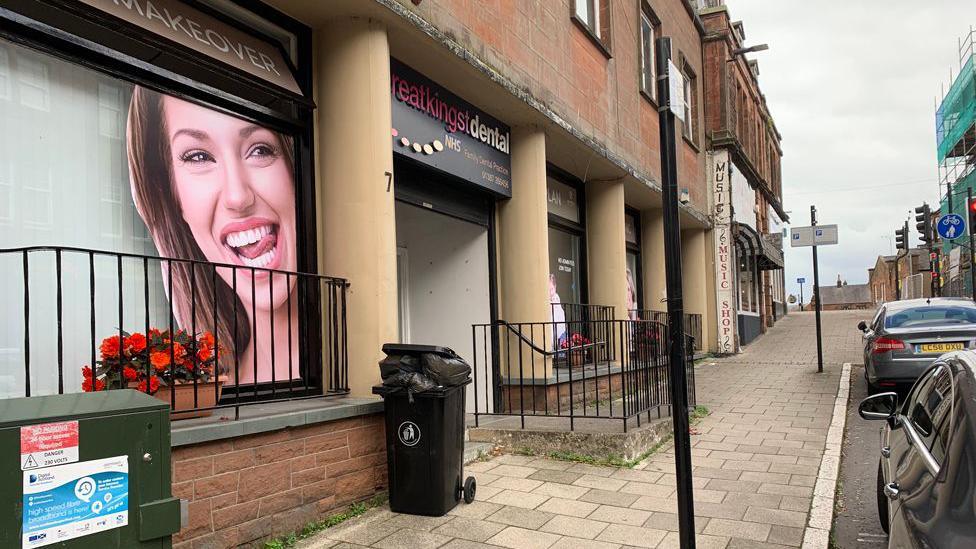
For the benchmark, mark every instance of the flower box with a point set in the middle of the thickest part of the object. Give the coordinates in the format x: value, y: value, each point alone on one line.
x: 206, y: 397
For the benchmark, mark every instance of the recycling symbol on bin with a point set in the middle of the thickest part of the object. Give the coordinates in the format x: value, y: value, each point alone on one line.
x: 409, y: 433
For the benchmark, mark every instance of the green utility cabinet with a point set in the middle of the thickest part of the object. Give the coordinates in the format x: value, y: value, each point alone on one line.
x: 89, y: 470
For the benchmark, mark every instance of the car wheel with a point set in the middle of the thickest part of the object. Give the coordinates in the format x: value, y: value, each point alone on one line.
x: 873, y: 389
x: 882, y: 501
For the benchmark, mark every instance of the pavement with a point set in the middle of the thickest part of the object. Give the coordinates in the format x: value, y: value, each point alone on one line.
x: 761, y: 477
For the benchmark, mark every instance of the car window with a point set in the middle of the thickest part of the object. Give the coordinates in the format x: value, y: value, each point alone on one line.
x: 931, y: 315
x: 939, y: 406
x: 928, y: 405
x: 876, y: 323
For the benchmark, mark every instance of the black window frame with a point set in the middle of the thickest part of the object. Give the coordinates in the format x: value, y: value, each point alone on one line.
x: 571, y: 227
x: 635, y: 248
x: 85, y: 36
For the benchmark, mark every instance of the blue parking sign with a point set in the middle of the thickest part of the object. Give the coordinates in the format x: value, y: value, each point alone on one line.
x: 801, y: 281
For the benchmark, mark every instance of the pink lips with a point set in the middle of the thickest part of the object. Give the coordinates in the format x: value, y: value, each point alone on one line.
x: 253, y: 242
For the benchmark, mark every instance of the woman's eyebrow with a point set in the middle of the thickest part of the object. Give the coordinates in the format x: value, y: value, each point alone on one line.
x: 196, y: 134
x: 246, y: 131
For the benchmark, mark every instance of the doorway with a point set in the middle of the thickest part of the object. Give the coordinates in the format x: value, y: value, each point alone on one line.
x: 444, y: 283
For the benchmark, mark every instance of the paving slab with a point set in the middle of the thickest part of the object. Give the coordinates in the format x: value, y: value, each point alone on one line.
x: 759, y: 467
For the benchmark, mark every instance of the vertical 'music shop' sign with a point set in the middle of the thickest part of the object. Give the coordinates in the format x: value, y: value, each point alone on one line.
x: 724, y: 279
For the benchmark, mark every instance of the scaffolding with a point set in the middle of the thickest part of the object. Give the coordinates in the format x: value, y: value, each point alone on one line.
x: 955, y: 129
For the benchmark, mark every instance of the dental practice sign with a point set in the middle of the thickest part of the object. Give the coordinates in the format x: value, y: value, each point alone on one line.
x: 436, y: 128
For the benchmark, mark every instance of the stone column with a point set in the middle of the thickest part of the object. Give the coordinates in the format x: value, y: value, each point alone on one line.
x: 523, y: 244
x: 606, y: 249
x: 652, y: 254
x: 695, y: 276
x: 355, y: 207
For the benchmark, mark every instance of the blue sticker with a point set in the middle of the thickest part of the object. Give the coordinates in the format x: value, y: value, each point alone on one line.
x: 74, y: 500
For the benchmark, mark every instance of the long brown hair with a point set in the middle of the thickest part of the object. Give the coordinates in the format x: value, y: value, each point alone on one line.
x: 150, y: 173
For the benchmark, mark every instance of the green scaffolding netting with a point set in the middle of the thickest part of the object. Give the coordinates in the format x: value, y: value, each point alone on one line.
x: 957, y: 113
x: 958, y: 202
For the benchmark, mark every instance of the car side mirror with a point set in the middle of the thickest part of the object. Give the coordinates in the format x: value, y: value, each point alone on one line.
x: 863, y: 326
x: 879, y: 406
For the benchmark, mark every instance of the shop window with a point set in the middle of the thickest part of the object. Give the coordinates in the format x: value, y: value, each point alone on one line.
x: 6, y: 194
x: 748, y: 299
x: 111, y: 101
x: 566, y: 245
x: 648, y: 34
x: 32, y: 83
x: 69, y: 178
x: 37, y: 199
x: 635, y: 292
x: 594, y: 17
x: 4, y: 73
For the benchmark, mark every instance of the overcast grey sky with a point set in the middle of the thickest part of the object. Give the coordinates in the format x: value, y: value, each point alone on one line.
x: 852, y: 87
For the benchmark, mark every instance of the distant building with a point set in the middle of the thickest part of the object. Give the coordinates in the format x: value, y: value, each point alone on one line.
x: 844, y: 296
x: 913, y: 281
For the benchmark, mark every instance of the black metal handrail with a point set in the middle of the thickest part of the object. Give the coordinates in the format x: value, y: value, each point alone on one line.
x: 521, y: 370
x: 216, y: 298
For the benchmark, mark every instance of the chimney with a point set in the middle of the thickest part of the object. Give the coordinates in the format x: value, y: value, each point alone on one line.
x: 839, y: 283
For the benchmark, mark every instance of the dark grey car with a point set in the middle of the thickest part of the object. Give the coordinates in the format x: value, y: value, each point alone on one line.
x: 927, y: 470
x: 905, y: 337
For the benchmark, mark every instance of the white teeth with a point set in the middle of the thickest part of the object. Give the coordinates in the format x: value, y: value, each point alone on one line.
x: 260, y: 261
x: 244, y: 238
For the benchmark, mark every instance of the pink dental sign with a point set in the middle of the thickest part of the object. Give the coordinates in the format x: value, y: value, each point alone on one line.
x: 196, y: 30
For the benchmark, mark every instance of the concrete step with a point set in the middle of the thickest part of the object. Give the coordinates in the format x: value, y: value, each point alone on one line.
x: 474, y: 450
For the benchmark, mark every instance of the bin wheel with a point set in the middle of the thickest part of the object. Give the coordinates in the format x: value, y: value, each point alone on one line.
x: 470, y: 487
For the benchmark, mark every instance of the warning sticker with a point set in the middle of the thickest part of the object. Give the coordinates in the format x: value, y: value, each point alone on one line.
x: 48, y: 444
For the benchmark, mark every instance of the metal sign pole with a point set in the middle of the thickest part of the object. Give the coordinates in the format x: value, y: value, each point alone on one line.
x: 816, y: 288
x: 672, y: 270
x: 969, y: 229
x: 801, y: 297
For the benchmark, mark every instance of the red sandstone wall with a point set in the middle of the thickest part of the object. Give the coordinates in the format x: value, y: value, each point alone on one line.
x: 244, y: 490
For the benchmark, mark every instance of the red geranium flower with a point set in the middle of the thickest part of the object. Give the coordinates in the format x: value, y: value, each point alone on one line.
x: 135, y: 343
x: 110, y: 347
x: 130, y: 373
x: 153, y: 385
x: 159, y: 359
x: 87, y: 385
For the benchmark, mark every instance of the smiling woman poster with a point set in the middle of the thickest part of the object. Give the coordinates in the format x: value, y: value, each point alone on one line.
x: 216, y: 188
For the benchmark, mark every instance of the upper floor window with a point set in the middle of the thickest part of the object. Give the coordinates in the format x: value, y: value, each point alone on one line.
x: 594, y: 17
x: 648, y: 34
x: 690, y: 103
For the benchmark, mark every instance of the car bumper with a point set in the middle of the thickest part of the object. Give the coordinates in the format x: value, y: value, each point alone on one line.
x: 898, y: 370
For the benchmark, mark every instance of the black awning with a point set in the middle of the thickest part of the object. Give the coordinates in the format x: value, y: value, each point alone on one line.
x: 769, y: 256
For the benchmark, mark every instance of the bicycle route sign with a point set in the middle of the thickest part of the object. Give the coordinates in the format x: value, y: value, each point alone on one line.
x: 951, y: 226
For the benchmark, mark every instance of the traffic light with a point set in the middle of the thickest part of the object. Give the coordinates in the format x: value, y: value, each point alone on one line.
x: 901, y: 238
x: 923, y: 218
x: 972, y: 212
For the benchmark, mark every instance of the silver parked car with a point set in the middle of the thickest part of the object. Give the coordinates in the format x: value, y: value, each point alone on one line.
x: 905, y: 337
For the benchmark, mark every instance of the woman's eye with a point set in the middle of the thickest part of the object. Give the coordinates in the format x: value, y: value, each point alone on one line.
x: 197, y: 156
x: 262, y: 150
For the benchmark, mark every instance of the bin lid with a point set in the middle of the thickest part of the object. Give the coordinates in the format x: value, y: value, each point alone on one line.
x: 411, y: 349
x: 436, y: 392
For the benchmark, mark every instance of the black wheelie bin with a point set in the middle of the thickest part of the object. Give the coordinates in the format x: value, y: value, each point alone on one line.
x: 423, y: 391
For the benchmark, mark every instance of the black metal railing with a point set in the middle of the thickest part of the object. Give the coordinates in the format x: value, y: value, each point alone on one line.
x: 69, y: 308
x: 518, y: 372
x: 692, y: 323
x: 583, y: 324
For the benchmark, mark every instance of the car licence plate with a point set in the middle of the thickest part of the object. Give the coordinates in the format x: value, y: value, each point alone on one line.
x: 940, y: 347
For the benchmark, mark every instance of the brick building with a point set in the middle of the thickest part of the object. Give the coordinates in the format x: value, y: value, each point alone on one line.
x: 745, y: 175
x: 382, y: 171
x: 913, y: 281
